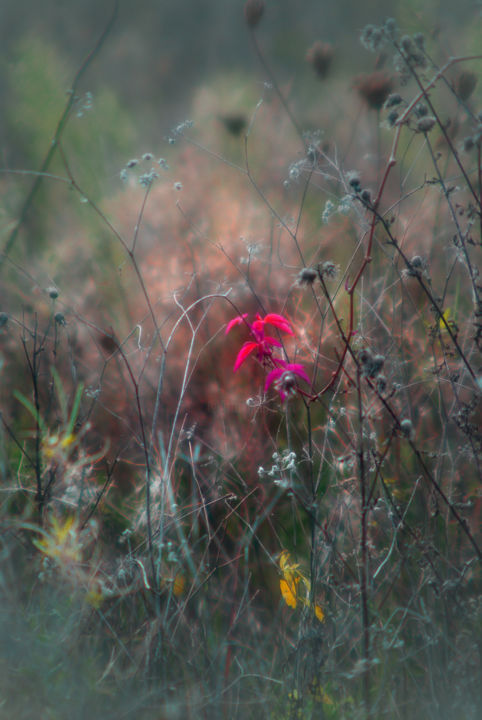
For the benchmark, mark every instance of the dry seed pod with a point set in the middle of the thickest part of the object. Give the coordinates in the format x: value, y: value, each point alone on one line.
x: 253, y: 12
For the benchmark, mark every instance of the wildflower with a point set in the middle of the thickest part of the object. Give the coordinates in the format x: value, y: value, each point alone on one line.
x: 61, y: 542
x: 148, y: 178
x: 261, y: 343
x: 291, y: 585
x: 55, y: 446
x: 284, y: 378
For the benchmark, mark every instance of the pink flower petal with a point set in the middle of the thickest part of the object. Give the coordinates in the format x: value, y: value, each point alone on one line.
x: 299, y: 370
x: 245, y: 351
x: 272, y: 376
x: 278, y: 321
x: 271, y: 341
x: 235, y: 321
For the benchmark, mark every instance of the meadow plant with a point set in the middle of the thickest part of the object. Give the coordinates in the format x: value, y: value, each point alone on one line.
x: 254, y: 294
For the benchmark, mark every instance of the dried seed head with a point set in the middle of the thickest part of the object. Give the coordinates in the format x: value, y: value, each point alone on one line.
x: 3, y: 319
x: 465, y: 84
x: 365, y: 356
x: 354, y: 181
x: 329, y: 269
x: 468, y: 143
x: 419, y: 40
x: 307, y: 276
x: 425, y: 124
x: 381, y: 384
x: 420, y: 110
x: 372, y: 38
x: 406, y: 44
x: 392, y: 118
x: 390, y: 27
x: 375, y: 365
x: 406, y: 428
x: 234, y: 123
x: 392, y: 100
x: 374, y: 88
x: 253, y: 12
x: 53, y: 292
x: 416, y: 267
x: 320, y: 56
x: 59, y: 319
x: 366, y: 196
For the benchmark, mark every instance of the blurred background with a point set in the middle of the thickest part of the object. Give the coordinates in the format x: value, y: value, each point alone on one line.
x: 158, y: 54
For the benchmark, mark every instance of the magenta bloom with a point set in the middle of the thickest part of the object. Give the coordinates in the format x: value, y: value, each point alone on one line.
x: 284, y: 378
x: 261, y: 344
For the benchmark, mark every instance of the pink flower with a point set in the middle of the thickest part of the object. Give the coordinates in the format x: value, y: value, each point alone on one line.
x: 261, y: 344
x: 284, y: 378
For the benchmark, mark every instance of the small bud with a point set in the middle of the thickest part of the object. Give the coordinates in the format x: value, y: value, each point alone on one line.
x: 147, y: 157
x: 468, y: 143
x: 3, y: 319
x: 366, y: 196
x: 253, y: 12
x: 132, y: 163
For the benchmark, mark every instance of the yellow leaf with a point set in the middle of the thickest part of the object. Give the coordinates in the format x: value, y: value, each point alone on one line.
x: 288, y: 591
x: 179, y: 584
x: 319, y: 613
x: 445, y: 316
